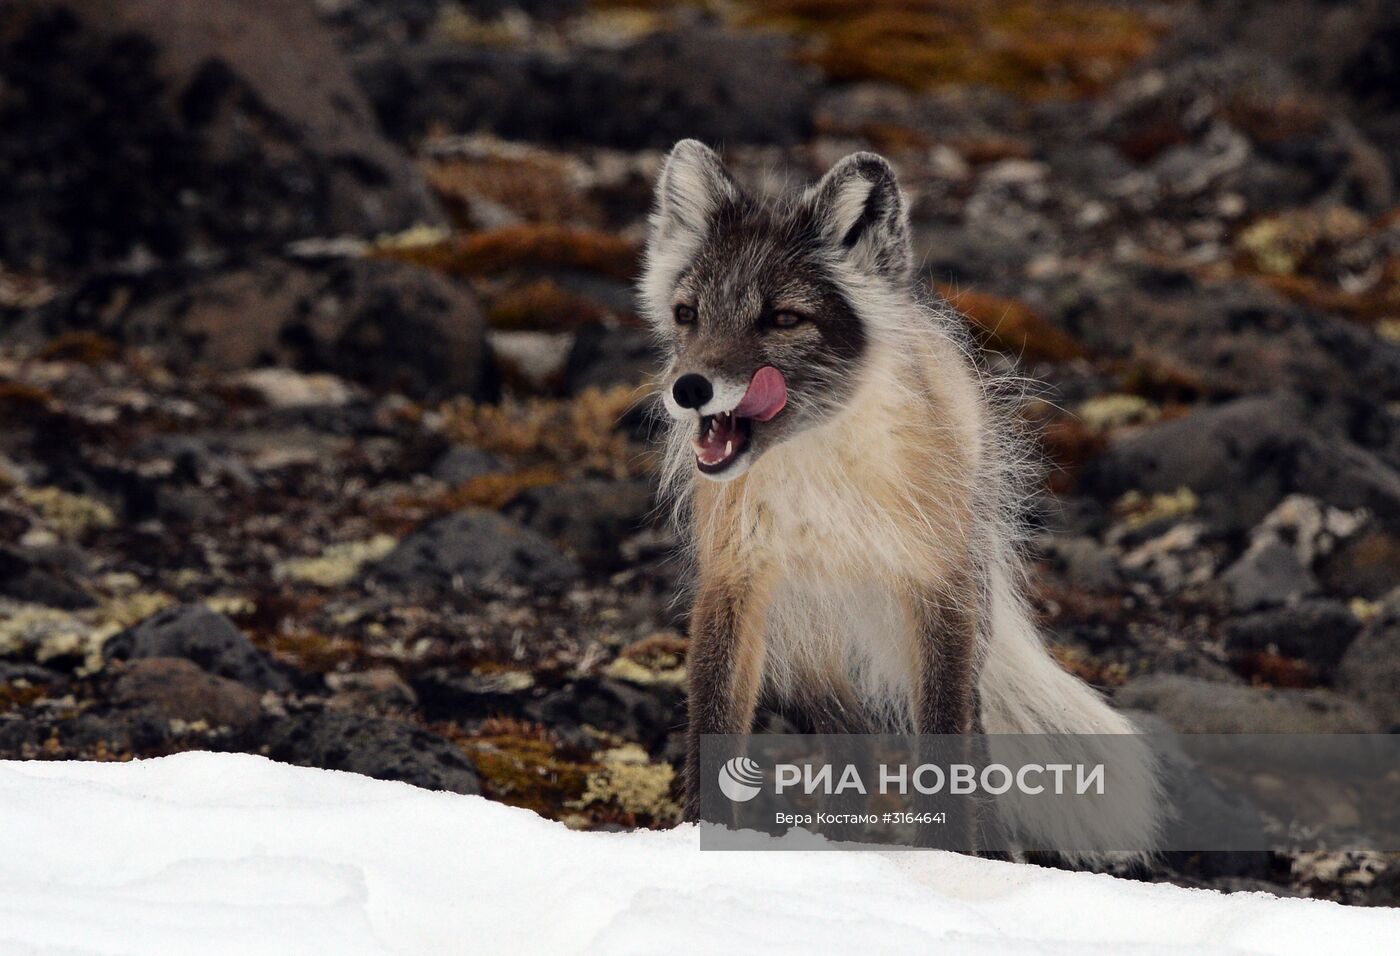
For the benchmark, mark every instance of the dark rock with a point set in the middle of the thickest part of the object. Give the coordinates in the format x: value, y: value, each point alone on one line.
x: 388, y: 325
x: 137, y: 732
x: 160, y: 129
x: 25, y: 576
x: 1235, y: 337
x: 177, y: 689
x: 646, y: 714
x: 198, y: 634
x: 373, y: 746
x: 1086, y: 564
x: 1366, y: 565
x: 706, y: 83
x: 1370, y: 669
x: 1232, y: 820
x: 591, y: 517
x: 449, y: 694
x: 1242, y: 458
x: 472, y: 548
x: 1316, y: 631
x: 1194, y: 706
x: 1269, y: 573
x: 606, y: 357
x: 460, y: 464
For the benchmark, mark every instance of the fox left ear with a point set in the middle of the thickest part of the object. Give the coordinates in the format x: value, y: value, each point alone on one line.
x: 860, y: 210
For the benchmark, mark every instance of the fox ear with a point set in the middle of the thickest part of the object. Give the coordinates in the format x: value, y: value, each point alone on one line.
x: 860, y: 211
x: 692, y: 187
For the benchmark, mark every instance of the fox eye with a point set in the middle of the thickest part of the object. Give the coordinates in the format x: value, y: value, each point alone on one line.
x: 685, y: 315
x: 786, y: 319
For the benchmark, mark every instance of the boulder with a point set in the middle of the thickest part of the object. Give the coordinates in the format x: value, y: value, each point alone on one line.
x: 1370, y: 669
x: 177, y: 689
x: 1316, y: 631
x: 1235, y: 337
x: 708, y: 83
x: 591, y: 517
x: 387, y: 325
x: 1242, y: 458
x: 373, y: 746
x: 1192, y: 705
x: 473, y: 548
x: 168, y: 129
x: 209, y: 639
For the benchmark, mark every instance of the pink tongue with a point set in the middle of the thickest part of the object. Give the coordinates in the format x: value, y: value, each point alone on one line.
x: 766, y: 396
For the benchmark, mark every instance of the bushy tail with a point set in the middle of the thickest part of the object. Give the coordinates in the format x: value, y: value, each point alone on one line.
x: 1024, y: 691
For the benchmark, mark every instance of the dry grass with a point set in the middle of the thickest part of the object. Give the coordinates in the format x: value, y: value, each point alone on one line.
x: 575, y: 435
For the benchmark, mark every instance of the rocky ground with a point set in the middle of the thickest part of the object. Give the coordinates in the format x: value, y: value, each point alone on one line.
x: 322, y: 404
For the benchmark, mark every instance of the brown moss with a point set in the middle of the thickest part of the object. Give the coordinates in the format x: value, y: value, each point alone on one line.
x: 577, y: 435
x: 1273, y: 118
x: 14, y: 697
x: 542, y: 305
x: 525, y: 770
x: 495, y: 490
x: 1012, y: 326
x: 1034, y: 49
x: 1267, y: 669
x: 525, y: 247
x: 88, y: 348
x: 20, y: 401
x: 312, y: 651
x: 981, y: 150
x: 537, y: 187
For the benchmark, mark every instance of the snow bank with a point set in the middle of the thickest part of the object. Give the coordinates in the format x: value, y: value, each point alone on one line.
x: 226, y: 853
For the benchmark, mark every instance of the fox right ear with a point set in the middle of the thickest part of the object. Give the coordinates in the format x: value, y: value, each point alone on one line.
x: 692, y: 187
x: 861, y: 212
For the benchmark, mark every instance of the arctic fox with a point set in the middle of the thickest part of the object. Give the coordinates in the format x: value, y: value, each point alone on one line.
x: 845, y: 481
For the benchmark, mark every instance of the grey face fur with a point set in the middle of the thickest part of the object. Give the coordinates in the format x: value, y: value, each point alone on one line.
x: 742, y: 272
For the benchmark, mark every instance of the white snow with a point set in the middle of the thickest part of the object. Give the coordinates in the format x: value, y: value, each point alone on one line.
x: 226, y: 853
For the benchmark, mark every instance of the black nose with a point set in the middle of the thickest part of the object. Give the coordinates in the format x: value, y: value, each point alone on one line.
x: 692, y: 391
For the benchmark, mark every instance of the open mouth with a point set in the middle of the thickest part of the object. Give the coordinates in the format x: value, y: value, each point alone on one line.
x: 723, y: 438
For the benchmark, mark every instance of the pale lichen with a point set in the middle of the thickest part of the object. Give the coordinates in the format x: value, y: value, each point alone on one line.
x: 338, y: 564
x: 628, y: 780
x: 67, y: 514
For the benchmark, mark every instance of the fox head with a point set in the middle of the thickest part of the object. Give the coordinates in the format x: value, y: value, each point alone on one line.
x: 759, y: 304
